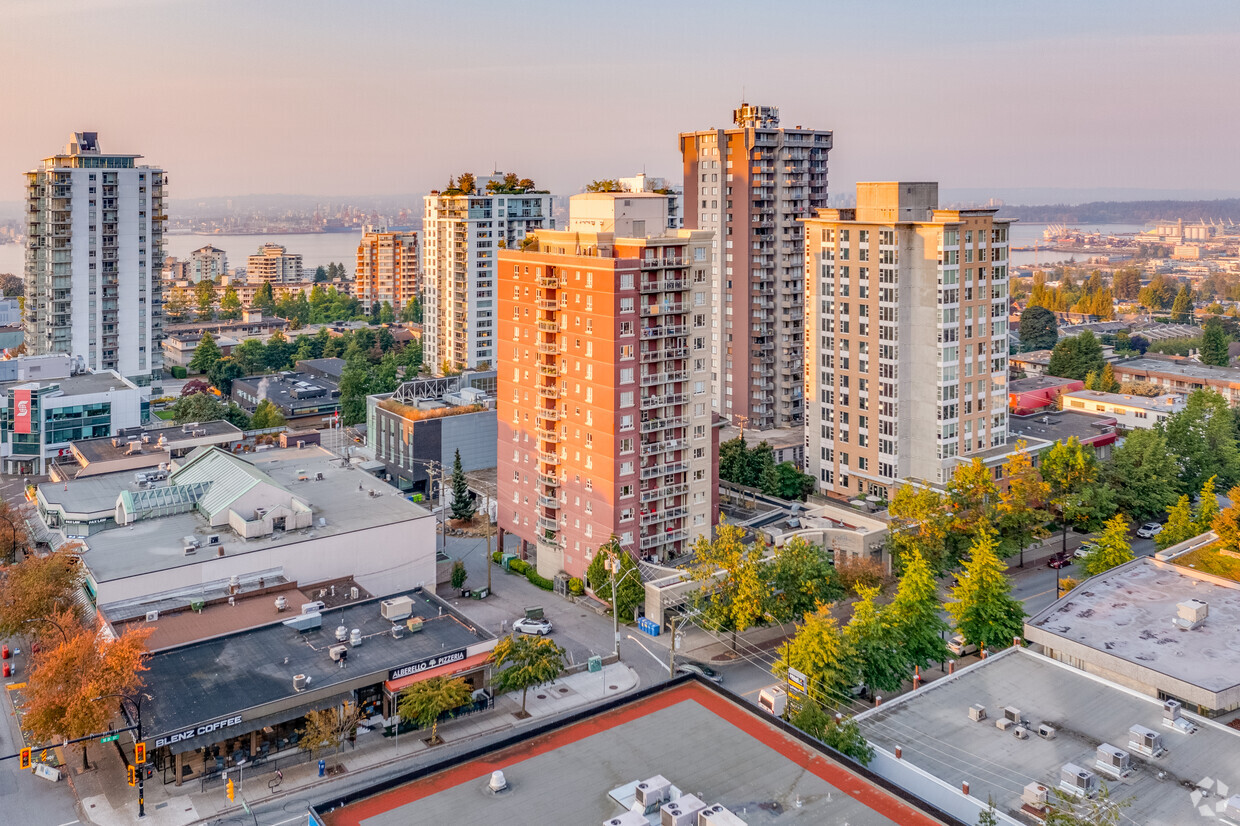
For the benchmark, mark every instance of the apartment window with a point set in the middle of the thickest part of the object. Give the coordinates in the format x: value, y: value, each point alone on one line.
x: 626, y: 351
x: 626, y: 469
x: 626, y: 445
x: 626, y: 490
x: 626, y: 375
x: 626, y: 329
x: 626, y: 399
x: 626, y: 281
x: 626, y: 305
x: 626, y: 515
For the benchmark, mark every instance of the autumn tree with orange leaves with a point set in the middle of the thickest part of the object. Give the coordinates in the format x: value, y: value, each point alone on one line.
x: 36, y: 588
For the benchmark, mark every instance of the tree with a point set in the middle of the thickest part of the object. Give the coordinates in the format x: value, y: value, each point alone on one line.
x: 981, y: 605
x: 1071, y: 471
x: 527, y: 662
x: 205, y: 294
x: 734, y: 461
x: 1069, y: 810
x: 1202, y: 439
x: 36, y: 588
x: 1180, y: 525
x: 972, y: 497
x: 1142, y: 475
x: 230, y: 305
x: 1126, y: 283
x: 1227, y: 523
x: 276, y: 352
x: 13, y: 535
x: 786, y: 482
x: 874, y: 651
x: 1022, y: 505
x: 630, y: 592
x: 817, y: 651
x: 222, y: 375
x: 266, y: 415
x: 1111, y: 548
x: 386, y: 314
x: 802, y: 578
x: 12, y: 285
x: 320, y: 274
x: 1214, y: 344
x: 251, y: 356
x: 604, y: 185
x: 737, y: 600
x: 424, y: 702
x: 1076, y: 357
x: 920, y: 520
x: 462, y: 500
x: 841, y: 734
x: 326, y: 729
x: 1182, y: 307
x: 1207, y: 507
x: 354, y: 387
x: 176, y: 308
x: 200, y: 407
x: 206, y: 354
x: 1039, y: 330
x: 70, y: 673
x: 913, y: 616
x: 1106, y: 381
x: 459, y: 574
x: 265, y: 299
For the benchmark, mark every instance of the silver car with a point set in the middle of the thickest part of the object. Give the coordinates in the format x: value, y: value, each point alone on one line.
x: 541, y: 627
x: 1149, y: 530
x: 703, y: 671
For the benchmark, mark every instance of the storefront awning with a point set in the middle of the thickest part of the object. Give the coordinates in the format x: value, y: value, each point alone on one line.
x: 467, y: 664
x: 247, y: 726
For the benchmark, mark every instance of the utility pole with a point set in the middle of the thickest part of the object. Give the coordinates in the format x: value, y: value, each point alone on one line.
x: 486, y: 515
x: 671, y: 660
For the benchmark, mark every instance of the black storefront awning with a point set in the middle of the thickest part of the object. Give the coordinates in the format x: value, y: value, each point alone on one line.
x: 246, y: 725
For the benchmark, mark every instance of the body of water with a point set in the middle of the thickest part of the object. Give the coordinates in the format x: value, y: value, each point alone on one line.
x: 1025, y: 235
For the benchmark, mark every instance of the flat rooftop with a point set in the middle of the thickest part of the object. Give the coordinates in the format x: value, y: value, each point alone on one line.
x: 1060, y: 425
x: 219, y: 677
x: 1187, y: 369
x: 933, y: 729
x: 1033, y: 357
x: 283, y: 390
x: 1127, y: 613
x: 702, y: 740
x: 103, y: 449
x: 80, y: 385
x: 342, y: 498
x: 1169, y: 403
x: 1035, y: 383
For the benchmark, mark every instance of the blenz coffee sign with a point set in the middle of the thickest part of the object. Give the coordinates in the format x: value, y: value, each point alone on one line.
x: 427, y: 664
x: 198, y: 732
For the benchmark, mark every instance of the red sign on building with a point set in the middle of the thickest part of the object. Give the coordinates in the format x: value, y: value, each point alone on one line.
x: 21, y: 411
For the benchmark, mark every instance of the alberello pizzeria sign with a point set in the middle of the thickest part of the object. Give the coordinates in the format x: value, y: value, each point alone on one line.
x: 427, y: 664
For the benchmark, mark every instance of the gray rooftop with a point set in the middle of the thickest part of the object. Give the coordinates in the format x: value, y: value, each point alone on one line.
x: 79, y: 385
x: 1169, y: 403
x: 935, y: 734
x: 212, y: 679
x: 102, y: 449
x: 696, y: 748
x: 290, y: 391
x: 1127, y: 613
x: 1032, y: 383
x: 155, y: 544
x: 1059, y: 425
x: 1033, y: 357
x: 1188, y: 369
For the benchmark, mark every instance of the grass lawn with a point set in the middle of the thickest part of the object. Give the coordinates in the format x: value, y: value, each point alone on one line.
x: 166, y: 415
x: 1208, y: 560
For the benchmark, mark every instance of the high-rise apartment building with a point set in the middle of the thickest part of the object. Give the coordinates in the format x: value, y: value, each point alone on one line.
x: 94, y: 250
x: 749, y: 185
x: 273, y: 264
x: 461, y: 236
x: 906, y: 340
x: 207, y: 264
x: 605, y: 424
x: 387, y: 268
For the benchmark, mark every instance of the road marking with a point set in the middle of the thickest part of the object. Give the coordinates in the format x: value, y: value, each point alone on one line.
x: 1039, y: 594
x: 647, y: 650
x: 281, y: 823
x: 70, y: 823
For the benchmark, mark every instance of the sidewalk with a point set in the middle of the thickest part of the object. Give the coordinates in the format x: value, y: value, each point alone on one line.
x: 106, y: 800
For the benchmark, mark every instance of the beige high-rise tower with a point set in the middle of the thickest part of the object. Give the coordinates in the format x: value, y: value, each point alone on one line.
x: 387, y: 268
x: 905, y: 340
x: 749, y: 185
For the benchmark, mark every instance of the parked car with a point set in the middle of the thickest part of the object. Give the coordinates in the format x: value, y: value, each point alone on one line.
x: 525, y: 625
x: 703, y: 671
x: 1149, y: 530
x: 1085, y: 550
x: 1059, y: 560
x: 959, y: 647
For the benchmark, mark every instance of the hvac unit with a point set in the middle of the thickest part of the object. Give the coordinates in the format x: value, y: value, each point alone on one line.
x: 1003, y: 724
x: 1046, y: 732
x: 977, y: 713
x: 1171, y: 711
x: 1021, y: 732
x: 627, y: 819
x: 338, y: 653
x: 152, y: 616
x: 1145, y: 741
x: 1035, y: 795
x: 1191, y: 614
x: 394, y: 609
x: 1012, y: 714
x: 718, y: 815
x: 1077, y: 781
x: 190, y: 544
x: 654, y: 792
x: 398, y: 631
x: 682, y: 811
x: 299, y: 682
x: 1112, y: 760
x: 313, y: 607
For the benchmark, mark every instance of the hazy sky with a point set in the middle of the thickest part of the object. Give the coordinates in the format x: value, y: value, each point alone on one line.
x: 365, y: 97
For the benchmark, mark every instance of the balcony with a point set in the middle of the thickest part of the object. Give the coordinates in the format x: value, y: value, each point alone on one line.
x: 547, y: 524
x: 549, y: 502
x: 547, y: 479
x: 663, y: 470
x: 547, y: 414
x: 547, y: 347
x: 551, y: 370
x: 656, y: 263
x: 548, y: 282
x: 651, y: 448
x: 549, y: 304
x: 649, y: 310
x: 548, y: 546
x: 652, y: 425
x: 549, y: 391
x: 548, y: 435
x: 548, y: 326
x: 663, y: 516
x: 548, y: 458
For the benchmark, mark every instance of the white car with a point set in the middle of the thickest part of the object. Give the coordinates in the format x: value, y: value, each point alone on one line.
x: 541, y: 627
x: 1149, y: 530
x: 959, y: 647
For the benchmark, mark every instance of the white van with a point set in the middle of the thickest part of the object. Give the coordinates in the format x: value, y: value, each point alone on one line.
x: 773, y: 700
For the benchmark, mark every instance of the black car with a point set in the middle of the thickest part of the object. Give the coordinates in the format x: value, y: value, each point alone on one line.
x: 1060, y: 560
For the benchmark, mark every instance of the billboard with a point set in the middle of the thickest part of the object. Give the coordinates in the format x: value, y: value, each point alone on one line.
x: 21, y: 411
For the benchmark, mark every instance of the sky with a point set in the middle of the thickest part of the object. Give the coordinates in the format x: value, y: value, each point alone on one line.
x: 385, y: 97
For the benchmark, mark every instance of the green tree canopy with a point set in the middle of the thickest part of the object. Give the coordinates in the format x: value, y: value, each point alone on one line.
x: 462, y: 500
x: 843, y: 735
x: 818, y: 651
x: 913, y: 616
x: 230, y: 305
x: 875, y: 653
x: 981, y: 606
x: 1039, y: 330
x: 206, y: 354
x: 738, y: 599
x: 802, y: 578
x: 1111, y: 548
x: 1143, y: 476
x: 1182, y: 307
x: 267, y: 414
x: 526, y: 662
x: 630, y: 593
x: 1022, y: 512
x: 1076, y: 357
x: 1202, y: 439
x: 424, y: 702
x: 1214, y: 344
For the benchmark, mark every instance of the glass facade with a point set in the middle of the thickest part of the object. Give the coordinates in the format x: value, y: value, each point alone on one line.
x: 57, y: 425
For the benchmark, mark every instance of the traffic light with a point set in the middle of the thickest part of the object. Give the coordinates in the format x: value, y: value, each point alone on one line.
x: 230, y: 789
x: 139, y: 753
x: 24, y: 759
x: 133, y: 776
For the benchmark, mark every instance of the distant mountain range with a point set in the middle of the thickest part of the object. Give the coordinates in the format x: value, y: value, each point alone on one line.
x: 1125, y: 212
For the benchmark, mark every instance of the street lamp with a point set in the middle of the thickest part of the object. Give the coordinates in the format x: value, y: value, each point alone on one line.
x: 612, y: 564
x: 136, y: 701
x: 59, y: 627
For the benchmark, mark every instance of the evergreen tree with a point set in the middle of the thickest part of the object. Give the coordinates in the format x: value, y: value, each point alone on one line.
x: 1143, y: 476
x: 462, y: 502
x: 1182, y: 307
x: 230, y: 305
x: 1076, y: 357
x: 1039, y: 330
x: 206, y: 354
x: 1214, y: 344
x: 1202, y: 439
x: 982, y: 606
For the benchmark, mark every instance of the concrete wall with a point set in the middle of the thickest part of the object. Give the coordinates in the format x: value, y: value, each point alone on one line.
x: 474, y: 434
x: 931, y: 789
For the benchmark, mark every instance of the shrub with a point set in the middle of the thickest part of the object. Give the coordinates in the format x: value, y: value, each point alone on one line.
x: 179, y: 372
x: 576, y: 587
x: 535, y: 579
x: 497, y: 557
x: 518, y: 566
x: 856, y: 571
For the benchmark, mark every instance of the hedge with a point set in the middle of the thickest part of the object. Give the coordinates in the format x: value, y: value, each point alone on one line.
x: 179, y: 372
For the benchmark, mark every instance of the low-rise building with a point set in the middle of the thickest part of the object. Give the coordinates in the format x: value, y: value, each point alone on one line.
x: 1130, y: 412
x: 1033, y: 363
x: 1041, y: 430
x: 305, y: 398
x: 1017, y: 726
x: 179, y: 347
x: 1178, y: 375
x: 787, y: 444
x: 47, y: 402
x: 296, y: 513
x: 135, y: 449
x: 252, y: 323
x: 1032, y: 394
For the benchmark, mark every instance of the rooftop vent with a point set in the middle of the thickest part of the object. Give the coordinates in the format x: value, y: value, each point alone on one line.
x: 627, y: 819
x: 1078, y: 781
x: 682, y: 811
x: 300, y: 681
x: 339, y: 653
x: 1012, y: 714
x: 281, y: 604
x: 1191, y: 614
x: 355, y: 637
x: 1113, y: 760
x: 1145, y: 741
x: 342, y: 632
x: 497, y: 783
x: 305, y: 622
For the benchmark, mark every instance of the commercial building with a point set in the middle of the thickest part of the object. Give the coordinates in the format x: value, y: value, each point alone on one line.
x: 605, y: 425
x: 1041, y: 430
x: 695, y: 754
x: 1130, y: 412
x: 786, y: 445
x: 305, y: 398
x: 1037, y: 393
x: 142, y: 448
x: 273, y: 264
x: 387, y: 268
x: 49, y: 402
x: 1016, y: 727
x: 462, y: 233
x: 750, y: 185
x: 229, y: 698
x: 10, y: 312
x: 906, y: 340
x: 94, y: 247
x: 207, y: 264
x: 298, y: 513
x: 1163, y: 629
x: 1182, y: 376
x: 417, y: 430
